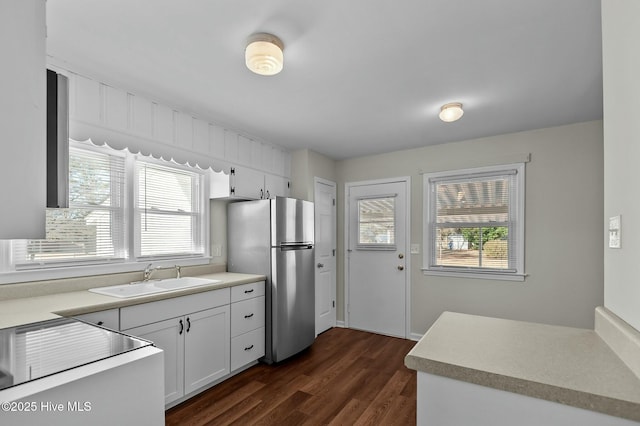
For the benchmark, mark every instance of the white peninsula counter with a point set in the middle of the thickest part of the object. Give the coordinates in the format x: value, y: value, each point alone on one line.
x: 488, y: 371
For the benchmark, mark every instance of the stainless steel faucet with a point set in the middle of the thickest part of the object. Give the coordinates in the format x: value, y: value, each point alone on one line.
x: 178, y: 271
x: 147, y: 272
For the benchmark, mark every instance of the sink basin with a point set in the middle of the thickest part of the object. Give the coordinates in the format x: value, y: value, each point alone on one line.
x: 143, y: 288
x: 185, y: 282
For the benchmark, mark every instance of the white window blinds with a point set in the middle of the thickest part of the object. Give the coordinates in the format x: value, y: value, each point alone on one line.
x: 92, y: 228
x: 169, y: 211
x: 475, y: 220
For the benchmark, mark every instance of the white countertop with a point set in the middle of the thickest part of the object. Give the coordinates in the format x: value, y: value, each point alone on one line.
x: 561, y: 364
x: 26, y: 310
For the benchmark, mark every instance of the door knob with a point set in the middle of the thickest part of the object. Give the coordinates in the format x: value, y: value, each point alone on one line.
x: 320, y: 265
x: 400, y: 268
x: 401, y: 256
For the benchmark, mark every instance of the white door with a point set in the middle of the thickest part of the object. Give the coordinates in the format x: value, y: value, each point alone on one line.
x: 377, y: 262
x: 325, y: 234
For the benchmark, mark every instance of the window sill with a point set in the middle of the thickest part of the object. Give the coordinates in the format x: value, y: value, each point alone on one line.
x: 45, y: 274
x: 475, y: 275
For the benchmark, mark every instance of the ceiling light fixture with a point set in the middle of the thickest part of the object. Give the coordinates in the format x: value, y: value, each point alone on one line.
x: 263, y: 54
x: 451, y: 112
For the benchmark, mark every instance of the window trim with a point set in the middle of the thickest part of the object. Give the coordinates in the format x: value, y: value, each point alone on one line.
x: 71, y: 269
x: 200, y: 234
x: 460, y: 272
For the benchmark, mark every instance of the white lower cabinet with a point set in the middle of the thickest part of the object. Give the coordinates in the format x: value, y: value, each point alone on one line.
x: 166, y: 336
x: 196, y: 344
x: 108, y: 319
x: 206, y: 349
x: 247, y: 324
x: 204, y: 336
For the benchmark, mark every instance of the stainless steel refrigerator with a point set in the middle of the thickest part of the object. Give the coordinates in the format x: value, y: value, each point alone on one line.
x: 275, y: 238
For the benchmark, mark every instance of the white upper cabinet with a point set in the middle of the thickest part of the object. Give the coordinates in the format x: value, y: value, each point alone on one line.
x: 23, y: 119
x: 248, y: 184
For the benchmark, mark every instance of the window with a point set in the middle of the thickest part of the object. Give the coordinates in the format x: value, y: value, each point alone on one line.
x: 92, y: 228
x: 474, y: 222
x: 376, y: 223
x: 122, y: 208
x: 168, y: 211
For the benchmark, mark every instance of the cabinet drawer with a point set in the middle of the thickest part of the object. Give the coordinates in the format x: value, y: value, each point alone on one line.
x: 247, y: 315
x: 147, y: 313
x: 247, y: 291
x: 109, y: 318
x: 246, y: 348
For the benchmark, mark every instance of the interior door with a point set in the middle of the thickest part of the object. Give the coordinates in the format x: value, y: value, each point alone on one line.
x: 325, y: 223
x: 377, y: 257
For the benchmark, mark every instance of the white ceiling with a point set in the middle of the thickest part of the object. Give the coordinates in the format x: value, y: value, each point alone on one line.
x: 360, y: 77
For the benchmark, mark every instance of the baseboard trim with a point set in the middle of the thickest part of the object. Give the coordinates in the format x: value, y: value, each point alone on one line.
x: 340, y: 324
x: 415, y: 336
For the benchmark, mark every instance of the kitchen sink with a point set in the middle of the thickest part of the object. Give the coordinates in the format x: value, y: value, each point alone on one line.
x: 143, y: 288
x: 185, y: 282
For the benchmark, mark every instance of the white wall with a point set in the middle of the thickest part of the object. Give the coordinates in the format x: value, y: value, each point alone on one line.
x: 621, y: 74
x: 305, y: 166
x: 564, y: 240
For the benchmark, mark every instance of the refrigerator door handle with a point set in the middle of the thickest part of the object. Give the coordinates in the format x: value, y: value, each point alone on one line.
x: 296, y: 247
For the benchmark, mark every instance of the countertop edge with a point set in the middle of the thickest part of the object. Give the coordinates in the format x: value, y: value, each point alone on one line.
x: 26, y: 310
x: 552, y: 393
x: 131, y: 301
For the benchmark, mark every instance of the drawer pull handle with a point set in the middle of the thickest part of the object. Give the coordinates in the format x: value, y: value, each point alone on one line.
x: 249, y: 348
x: 100, y: 322
x: 248, y: 316
x: 181, y: 327
x: 188, y: 324
x: 248, y: 291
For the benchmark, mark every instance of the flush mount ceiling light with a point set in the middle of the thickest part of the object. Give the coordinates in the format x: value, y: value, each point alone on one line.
x: 451, y: 112
x: 263, y: 54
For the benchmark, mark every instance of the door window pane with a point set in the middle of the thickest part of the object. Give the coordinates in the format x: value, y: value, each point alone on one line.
x: 376, y: 222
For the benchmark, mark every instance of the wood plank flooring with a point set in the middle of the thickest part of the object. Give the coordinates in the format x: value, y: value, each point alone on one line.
x: 347, y: 377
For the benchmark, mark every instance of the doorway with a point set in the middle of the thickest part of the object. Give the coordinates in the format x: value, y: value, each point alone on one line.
x: 377, y: 290
x: 325, y: 248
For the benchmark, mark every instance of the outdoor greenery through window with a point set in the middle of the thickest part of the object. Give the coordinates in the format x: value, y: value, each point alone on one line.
x: 166, y: 219
x: 475, y: 221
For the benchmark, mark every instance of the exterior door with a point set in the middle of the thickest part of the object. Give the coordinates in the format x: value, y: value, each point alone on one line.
x: 377, y: 262
x: 325, y: 273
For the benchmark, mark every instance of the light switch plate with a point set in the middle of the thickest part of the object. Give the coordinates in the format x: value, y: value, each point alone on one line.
x: 216, y: 250
x: 614, y: 232
x: 415, y: 248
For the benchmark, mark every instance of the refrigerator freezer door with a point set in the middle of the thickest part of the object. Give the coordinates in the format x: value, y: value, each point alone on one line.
x: 291, y: 314
x: 291, y: 221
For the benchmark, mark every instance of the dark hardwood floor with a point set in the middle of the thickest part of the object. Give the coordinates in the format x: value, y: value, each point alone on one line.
x: 347, y: 377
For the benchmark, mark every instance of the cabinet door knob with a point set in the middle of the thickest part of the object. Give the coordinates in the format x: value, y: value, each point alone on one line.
x: 100, y: 322
x: 320, y: 265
